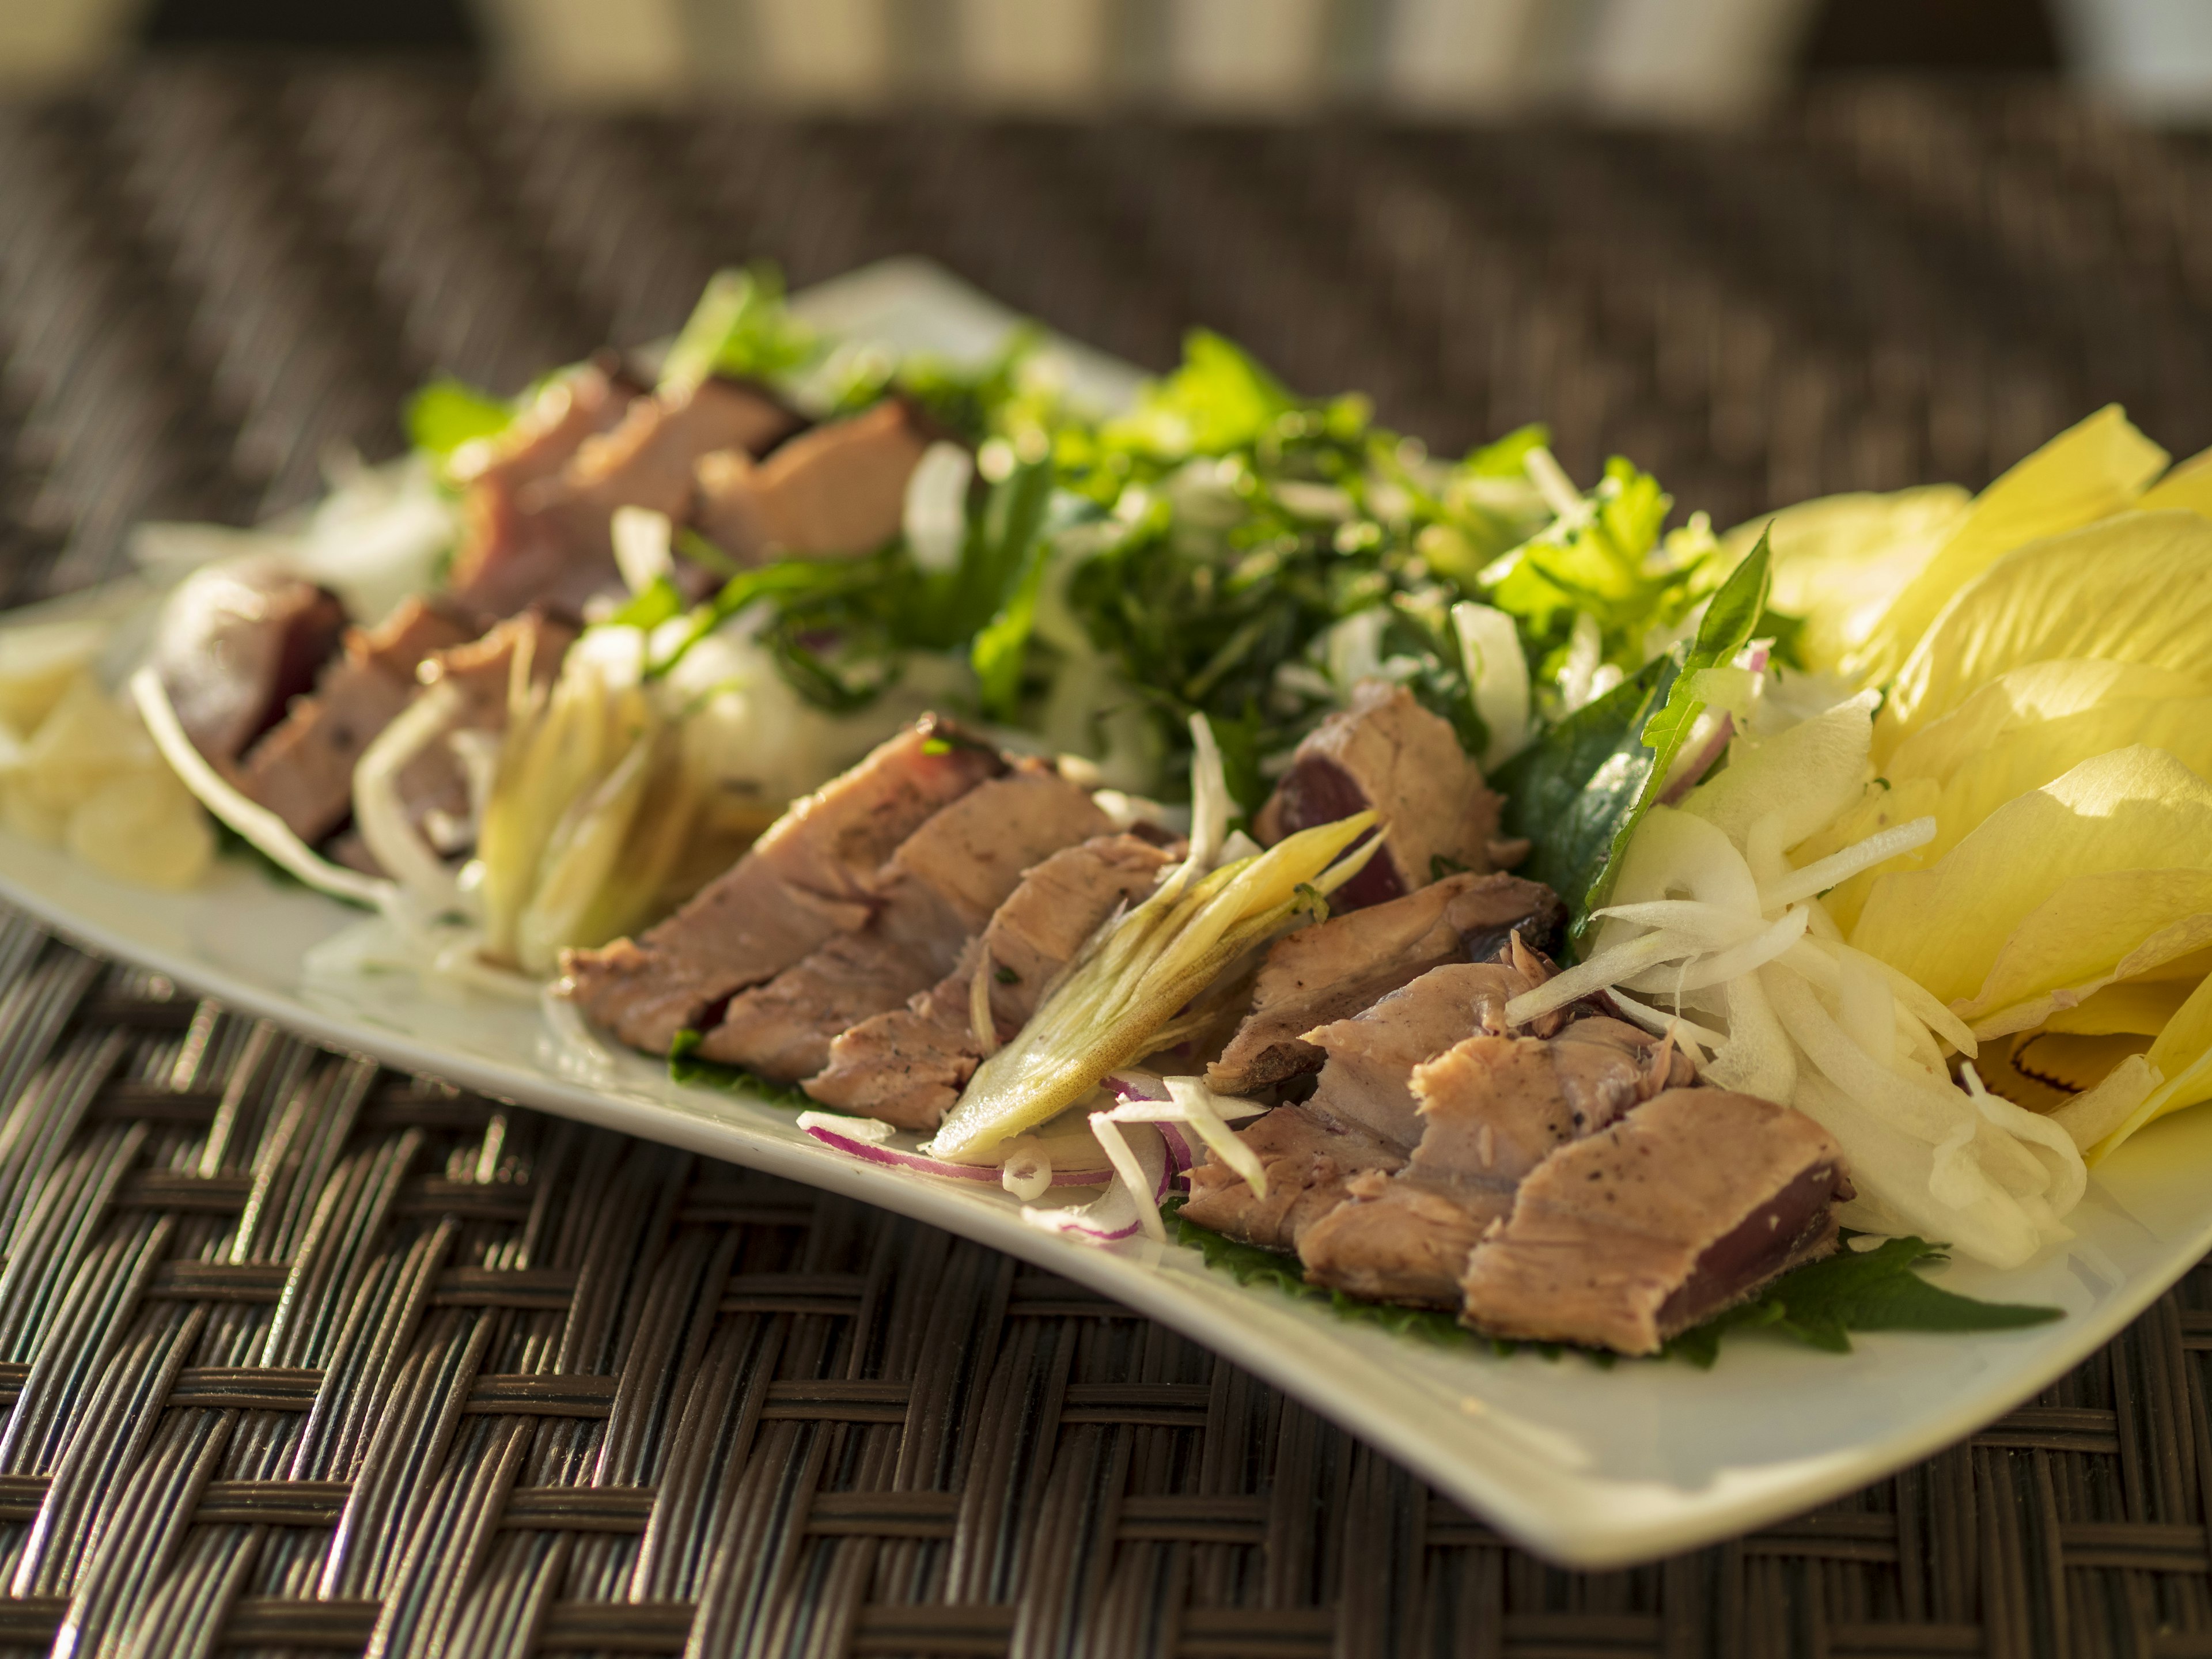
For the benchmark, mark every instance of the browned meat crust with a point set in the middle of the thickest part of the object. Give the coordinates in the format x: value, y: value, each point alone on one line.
x: 836, y: 491
x: 1688, y: 1204
x: 1491, y: 1110
x: 933, y: 894
x: 908, y: 1065
x: 238, y: 642
x: 540, y: 533
x: 303, y: 770
x: 1388, y: 752
x: 1309, y: 1162
x: 811, y: 875
x: 1337, y: 967
x: 1372, y: 1056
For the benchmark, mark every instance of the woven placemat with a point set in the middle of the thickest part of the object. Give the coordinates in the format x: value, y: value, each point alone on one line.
x: 304, y: 1356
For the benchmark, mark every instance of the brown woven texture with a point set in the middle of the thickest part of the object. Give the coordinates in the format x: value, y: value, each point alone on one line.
x: 306, y: 1356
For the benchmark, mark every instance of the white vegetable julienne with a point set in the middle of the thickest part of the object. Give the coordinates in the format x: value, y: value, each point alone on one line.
x: 936, y: 514
x: 980, y: 1017
x: 1201, y: 1110
x: 256, y: 822
x: 1837, y: 868
x: 1497, y: 677
x: 644, y: 550
x: 1707, y: 906
x: 382, y: 817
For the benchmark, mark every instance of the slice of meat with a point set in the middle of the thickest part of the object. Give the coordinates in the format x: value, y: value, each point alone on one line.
x: 1309, y: 1161
x: 435, y: 785
x: 1491, y: 1110
x: 1338, y: 967
x: 908, y: 1065
x: 548, y: 541
x: 1369, y: 1077
x: 1687, y: 1205
x: 540, y: 442
x: 237, y: 642
x: 809, y: 876
x: 303, y: 770
x: 839, y: 490
x: 930, y: 896
x: 1388, y: 752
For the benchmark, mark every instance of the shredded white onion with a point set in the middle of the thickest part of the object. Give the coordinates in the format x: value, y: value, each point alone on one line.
x: 1818, y: 877
x: 1202, y: 1113
x: 981, y: 1020
x: 1497, y: 677
x: 1602, y: 971
x: 382, y: 815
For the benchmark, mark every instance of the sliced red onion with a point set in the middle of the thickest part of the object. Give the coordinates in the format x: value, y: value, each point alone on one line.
x: 1132, y: 1084
x: 1118, y: 1212
x: 1179, y: 1160
x: 1753, y: 657
x: 865, y: 1138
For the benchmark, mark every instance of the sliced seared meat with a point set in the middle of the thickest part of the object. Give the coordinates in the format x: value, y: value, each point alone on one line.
x: 1309, y: 1161
x: 1369, y: 1077
x: 1688, y: 1204
x: 1363, y: 1112
x: 908, y: 1065
x: 811, y: 875
x: 483, y: 669
x: 303, y: 770
x: 932, y: 895
x: 1338, y: 967
x: 548, y: 540
x: 1492, y: 1109
x: 1388, y: 752
x: 435, y: 785
x: 838, y: 490
x: 238, y: 642
x: 570, y: 408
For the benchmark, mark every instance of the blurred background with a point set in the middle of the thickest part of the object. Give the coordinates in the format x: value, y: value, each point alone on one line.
x: 1769, y: 248
x: 1696, y: 60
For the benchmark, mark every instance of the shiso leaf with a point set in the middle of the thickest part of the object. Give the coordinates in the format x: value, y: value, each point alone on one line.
x: 1818, y: 1304
x: 686, y: 1066
x: 1580, y: 791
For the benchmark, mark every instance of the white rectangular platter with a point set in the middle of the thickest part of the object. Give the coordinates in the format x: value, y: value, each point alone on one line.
x: 1590, y: 1466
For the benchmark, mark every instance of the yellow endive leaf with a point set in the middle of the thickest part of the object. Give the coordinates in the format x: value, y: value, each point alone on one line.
x: 2187, y: 489
x: 2182, y: 1060
x: 2142, y: 1006
x: 2034, y: 755
x: 2094, y: 931
x: 2136, y: 589
x: 2134, y: 812
x: 1839, y: 560
x: 1884, y: 806
x: 2026, y: 696
x: 2087, y: 472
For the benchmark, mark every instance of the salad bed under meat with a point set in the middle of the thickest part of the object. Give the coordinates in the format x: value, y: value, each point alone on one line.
x: 1446, y: 877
